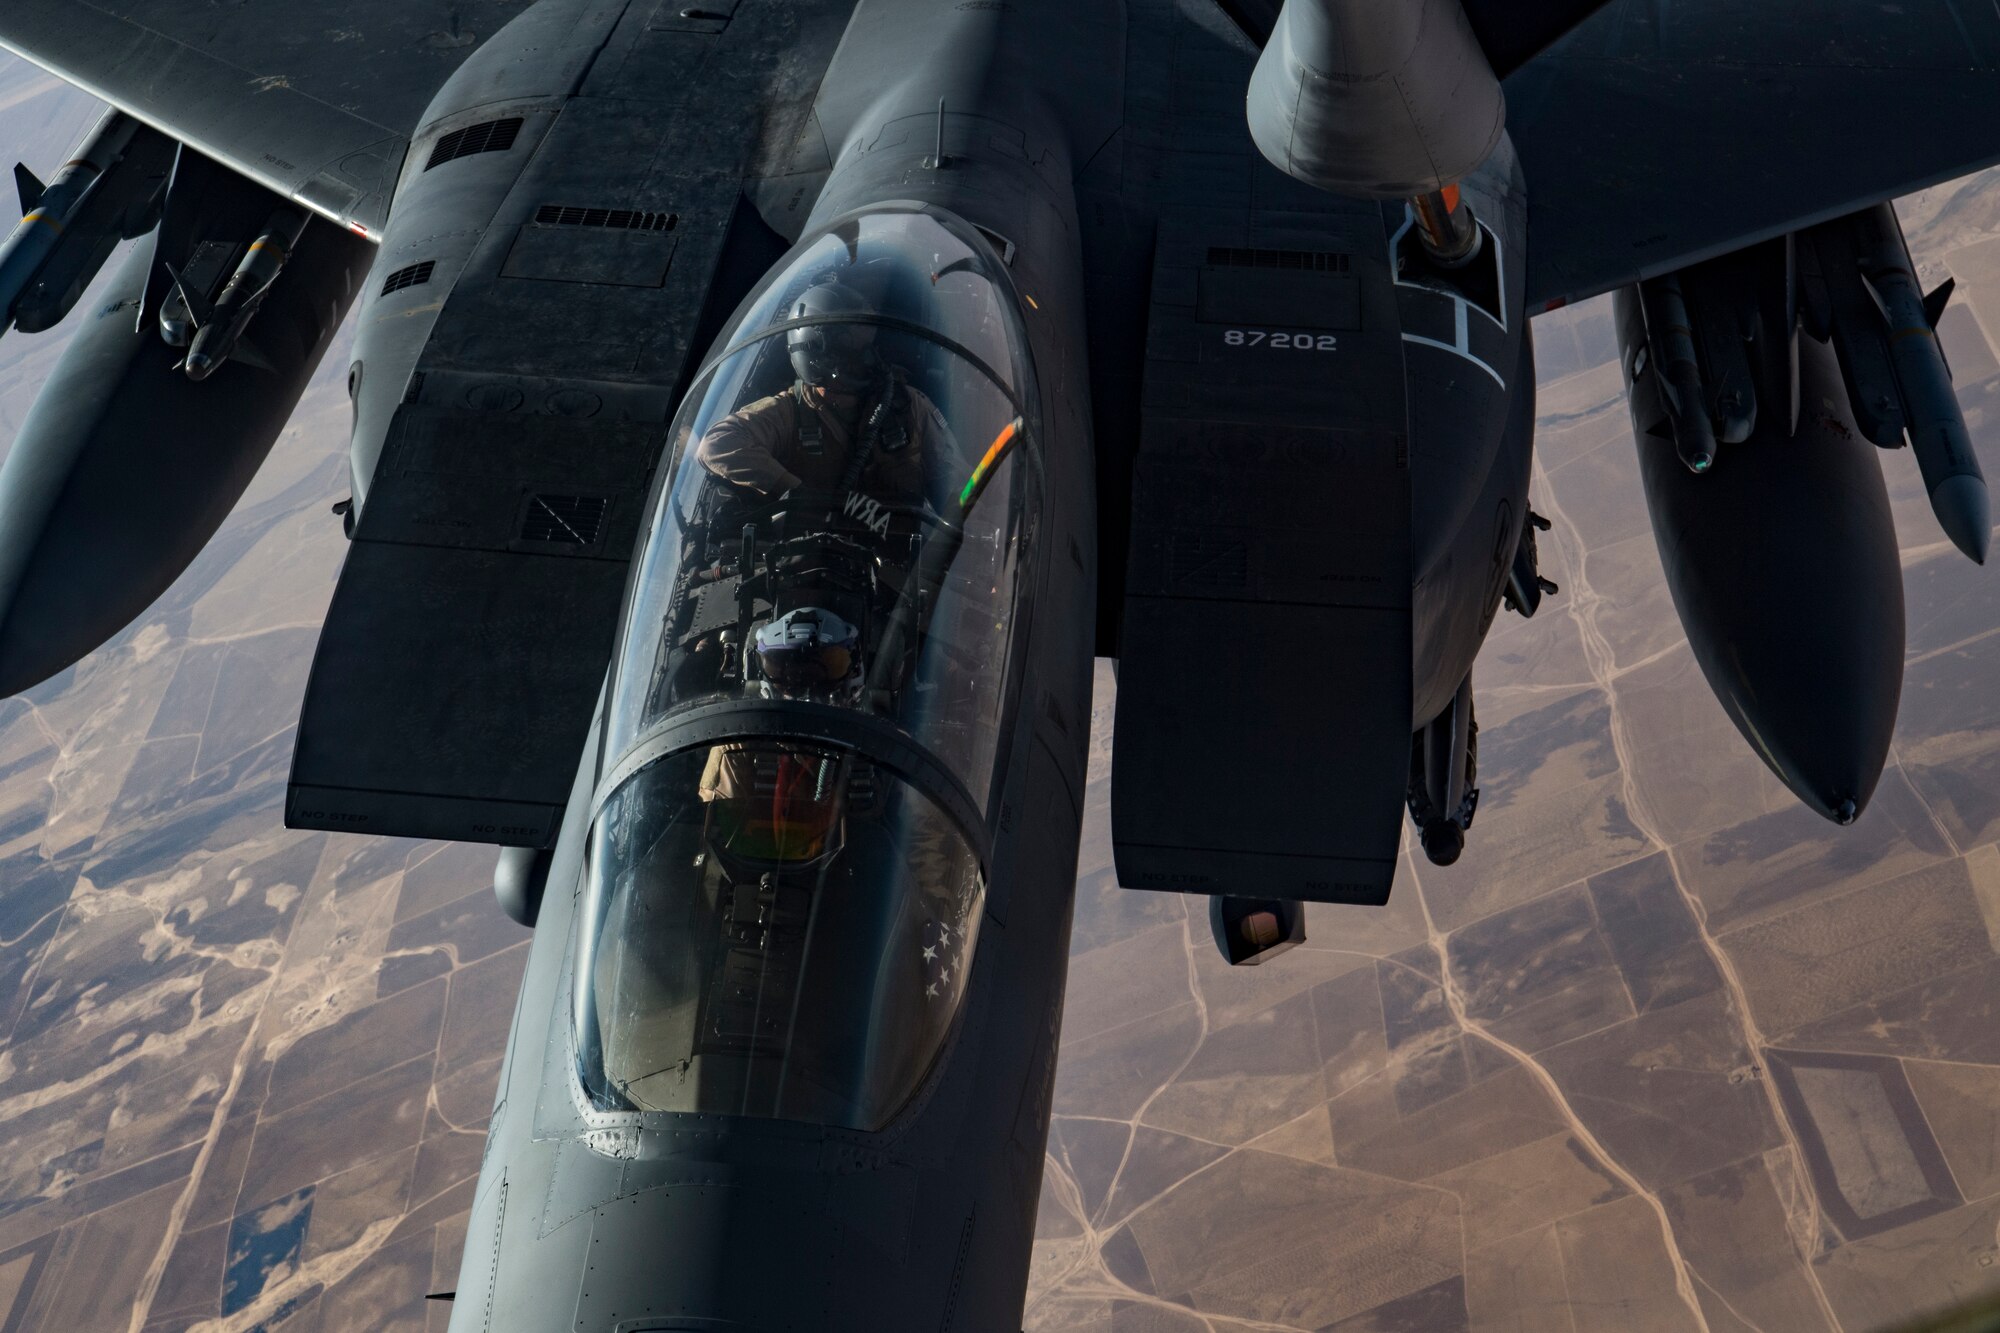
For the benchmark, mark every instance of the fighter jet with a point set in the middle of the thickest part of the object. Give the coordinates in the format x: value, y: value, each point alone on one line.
x: 764, y: 410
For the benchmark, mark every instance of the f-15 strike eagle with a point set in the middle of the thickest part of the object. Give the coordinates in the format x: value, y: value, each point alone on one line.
x: 764, y: 410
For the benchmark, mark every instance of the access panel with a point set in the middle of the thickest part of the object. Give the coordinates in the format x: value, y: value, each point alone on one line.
x: 468, y: 635
x: 1263, y: 727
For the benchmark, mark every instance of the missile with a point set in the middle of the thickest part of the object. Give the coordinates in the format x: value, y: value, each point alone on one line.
x: 1936, y: 426
x: 1670, y: 345
x: 1525, y: 584
x: 108, y: 192
x: 1722, y: 335
x: 1444, y: 758
x: 1862, y: 292
x: 219, y: 326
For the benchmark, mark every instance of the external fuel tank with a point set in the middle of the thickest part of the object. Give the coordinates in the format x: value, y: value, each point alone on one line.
x: 125, y: 468
x: 1782, y: 562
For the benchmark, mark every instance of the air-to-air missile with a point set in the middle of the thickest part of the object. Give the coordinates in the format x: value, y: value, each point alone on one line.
x: 1859, y: 288
x: 1526, y: 585
x: 109, y: 192
x: 1444, y: 765
x: 1670, y: 335
x: 213, y: 330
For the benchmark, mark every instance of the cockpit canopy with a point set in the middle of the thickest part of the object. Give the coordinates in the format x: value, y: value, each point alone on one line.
x: 807, y: 717
x: 774, y: 929
x: 853, y: 460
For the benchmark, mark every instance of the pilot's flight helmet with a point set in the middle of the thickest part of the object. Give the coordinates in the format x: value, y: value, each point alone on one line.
x: 809, y: 652
x: 831, y: 355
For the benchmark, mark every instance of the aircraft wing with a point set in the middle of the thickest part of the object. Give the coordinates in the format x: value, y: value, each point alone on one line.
x: 1509, y: 31
x: 1661, y: 132
x: 315, y: 101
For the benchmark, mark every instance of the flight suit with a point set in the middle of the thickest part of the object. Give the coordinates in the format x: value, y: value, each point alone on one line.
x: 767, y: 446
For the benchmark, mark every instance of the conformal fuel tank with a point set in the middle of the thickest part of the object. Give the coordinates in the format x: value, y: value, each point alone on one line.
x: 125, y: 467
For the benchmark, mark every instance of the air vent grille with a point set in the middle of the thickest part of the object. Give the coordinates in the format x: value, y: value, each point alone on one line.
x: 492, y: 136
x: 613, y: 219
x: 1302, y: 261
x: 570, y: 520
x: 416, y: 275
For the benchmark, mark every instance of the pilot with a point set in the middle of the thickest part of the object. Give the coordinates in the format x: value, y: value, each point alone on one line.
x: 850, y: 427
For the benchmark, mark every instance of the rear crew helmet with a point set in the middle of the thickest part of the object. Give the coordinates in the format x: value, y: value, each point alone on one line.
x: 831, y: 355
x: 809, y: 653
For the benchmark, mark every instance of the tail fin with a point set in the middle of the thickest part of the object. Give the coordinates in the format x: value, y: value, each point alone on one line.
x: 199, y: 310
x: 30, y: 187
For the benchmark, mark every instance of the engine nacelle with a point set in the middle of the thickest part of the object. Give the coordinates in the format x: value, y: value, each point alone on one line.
x: 125, y: 468
x: 1783, y: 566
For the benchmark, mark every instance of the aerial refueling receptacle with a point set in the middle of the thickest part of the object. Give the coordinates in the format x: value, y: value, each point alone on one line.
x: 1670, y: 338
x: 110, y: 191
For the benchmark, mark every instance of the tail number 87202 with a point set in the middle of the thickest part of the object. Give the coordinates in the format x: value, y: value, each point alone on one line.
x: 1293, y: 342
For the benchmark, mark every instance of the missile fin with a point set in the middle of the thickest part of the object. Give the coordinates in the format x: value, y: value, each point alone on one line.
x: 199, y: 310
x: 246, y: 352
x: 29, y: 186
x: 1875, y: 297
x: 1815, y: 302
x: 1935, y: 302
